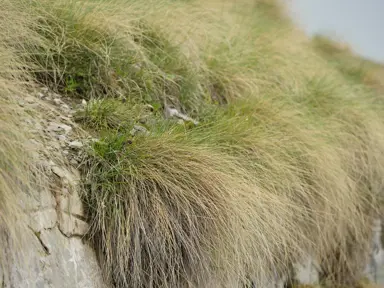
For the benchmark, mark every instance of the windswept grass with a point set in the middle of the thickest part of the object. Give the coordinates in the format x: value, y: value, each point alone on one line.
x: 178, y: 217
x: 287, y: 158
x: 16, y: 167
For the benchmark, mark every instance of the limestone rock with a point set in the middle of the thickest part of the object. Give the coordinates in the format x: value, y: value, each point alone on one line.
x: 57, y: 101
x: 172, y: 112
x: 72, y: 226
x: 375, y: 267
x: 60, y: 171
x: 51, y: 260
x: 61, y: 138
x: 40, y: 95
x: 70, y: 203
x: 30, y: 99
x: 137, y: 129
x: 43, y: 219
x: 75, y: 144
x: 59, y: 127
x: 307, y: 271
x: 65, y: 175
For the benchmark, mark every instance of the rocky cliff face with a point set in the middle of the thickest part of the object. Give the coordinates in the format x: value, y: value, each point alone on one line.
x: 50, y: 250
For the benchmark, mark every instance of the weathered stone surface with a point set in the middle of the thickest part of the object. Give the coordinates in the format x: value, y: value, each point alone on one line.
x: 59, y: 127
x: 72, y: 226
x: 61, y: 138
x: 70, y: 203
x: 375, y: 268
x: 57, y: 101
x: 30, y: 99
x: 42, y: 253
x: 51, y: 260
x: 40, y: 201
x: 307, y: 271
x: 137, y: 129
x: 43, y: 219
x: 59, y: 171
x: 65, y: 175
x: 75, y: 144
x: 172, y: 112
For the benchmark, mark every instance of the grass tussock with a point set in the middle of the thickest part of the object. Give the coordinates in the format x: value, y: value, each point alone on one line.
x: 287, y: 158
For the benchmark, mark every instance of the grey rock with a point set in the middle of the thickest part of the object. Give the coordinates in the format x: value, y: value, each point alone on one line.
x: 21, y: 103
x: 71, y: 226
x: 307, y: 271
x: 137, y: 129
x: 38, y: 202
x: 172, y: 112
x: 59, y: 127
x: 57, y: 101
x: 43, y: 219
x: 40, y: 95
x: 375, y: 267
x: 61, y: 172
x: 30, y: 99
x: 51, y: 260
x: 61, y: 138
x: 70, y: 203
x: 28, y: 121
x: 47, y: 200
x: 65, y: 108
x: 75, y: 144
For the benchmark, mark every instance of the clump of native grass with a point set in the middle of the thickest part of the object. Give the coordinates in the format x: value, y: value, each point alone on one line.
x: 167, y: 211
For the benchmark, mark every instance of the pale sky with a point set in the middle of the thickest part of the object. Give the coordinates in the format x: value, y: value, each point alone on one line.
x: 360, y: 23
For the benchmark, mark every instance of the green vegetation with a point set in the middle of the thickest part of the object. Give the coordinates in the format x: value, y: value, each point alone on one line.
x: 287, y: 158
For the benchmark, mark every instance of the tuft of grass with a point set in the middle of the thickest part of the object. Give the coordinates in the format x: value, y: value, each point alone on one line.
x: 171, y: 214
x: 104, y: 114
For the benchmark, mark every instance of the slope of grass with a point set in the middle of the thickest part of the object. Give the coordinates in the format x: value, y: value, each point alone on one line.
x: 358, y: 69
x: 287, y: 158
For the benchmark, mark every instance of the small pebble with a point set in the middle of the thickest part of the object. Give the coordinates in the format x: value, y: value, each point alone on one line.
x: 57, y: 101
x: 30, y: 99
x: 75, y: 144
